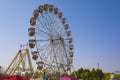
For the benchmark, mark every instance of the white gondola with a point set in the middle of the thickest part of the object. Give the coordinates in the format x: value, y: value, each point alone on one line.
x: 66, y: 26
x: 71, y: 54
x: 68, y: 33
x: 36, y: 14
x: 63, y: 20
x: 71, y: 47
x: 32, y: 43
x: 68, y: 67
x: 31, y: 31
x: 55, y: 10
x: 70, y: 60
x: 33, y: 21
x: 40, y: 65
x: 70, y: 40
x: 35, y: 55
x: 46, y: 7
x: 50, y: 8
x: 40, y: 8
x: 60, y: 15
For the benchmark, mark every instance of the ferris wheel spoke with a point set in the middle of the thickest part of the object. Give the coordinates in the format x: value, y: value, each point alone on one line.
x: 56, y: 57
x: 46, y: 57
x: 59, y: 26
x: 63, y: 32
x: 41, y: 23
x: 54, y: 18
x: 43, y: 40
x: 43, y: 47
x: 52, y: 56
x: 50, y: 60
x: 64, y: 49
x: 44, y: 36
x: 53, y: 29
x: 46, y: 21
x: 59, y: 54
x: 54, y: 22
x: 45, y: 51
x: 59, y: 50
x: 44, y: 26
x: 41, y: 26
x: 43, y: 32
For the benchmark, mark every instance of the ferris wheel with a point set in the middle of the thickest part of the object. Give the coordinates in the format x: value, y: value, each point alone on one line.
x: 50, y: 39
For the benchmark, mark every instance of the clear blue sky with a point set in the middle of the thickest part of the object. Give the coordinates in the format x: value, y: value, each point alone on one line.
x: 95, y: 26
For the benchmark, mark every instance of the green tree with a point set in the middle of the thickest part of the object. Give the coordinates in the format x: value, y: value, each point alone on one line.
x: 99, y: 74
x: 86, y: 74
x: 83, y: 76
x: 79, y: 73
x: 117, y: 76
x: 106, y: 76
x: 93, y: 73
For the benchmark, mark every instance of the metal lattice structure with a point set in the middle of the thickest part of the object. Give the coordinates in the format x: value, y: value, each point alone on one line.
x: 21, y: 63
x: 50, y: 39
